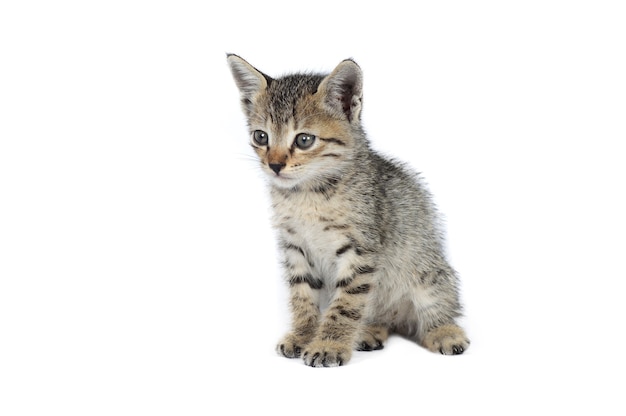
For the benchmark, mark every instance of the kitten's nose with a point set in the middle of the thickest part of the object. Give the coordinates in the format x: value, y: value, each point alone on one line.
x: 276, y: 167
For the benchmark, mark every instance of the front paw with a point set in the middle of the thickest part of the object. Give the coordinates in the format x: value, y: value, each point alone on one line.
x: 291, y: 346
x: 326, y: 354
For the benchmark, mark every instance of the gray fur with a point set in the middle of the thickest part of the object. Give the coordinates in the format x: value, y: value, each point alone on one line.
x: 363, y: 251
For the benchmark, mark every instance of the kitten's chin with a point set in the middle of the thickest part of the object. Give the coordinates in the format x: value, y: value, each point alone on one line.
x: 282, y: 181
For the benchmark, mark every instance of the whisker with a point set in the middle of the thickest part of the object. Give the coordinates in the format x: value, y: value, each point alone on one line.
x: 247, y: 158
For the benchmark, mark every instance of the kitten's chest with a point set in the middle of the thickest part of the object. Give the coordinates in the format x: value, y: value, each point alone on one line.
x: 318, y: 225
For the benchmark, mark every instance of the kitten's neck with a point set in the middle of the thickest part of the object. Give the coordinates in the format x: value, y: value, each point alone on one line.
x: 323, y: 187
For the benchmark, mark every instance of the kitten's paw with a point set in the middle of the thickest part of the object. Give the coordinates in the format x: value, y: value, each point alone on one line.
x: 372, y: 338
x: 448, y: 339
x: 326, y: 354
x: 291, y: 346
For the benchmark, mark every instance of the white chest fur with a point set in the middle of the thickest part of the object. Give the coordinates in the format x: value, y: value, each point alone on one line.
x: 315, y: 224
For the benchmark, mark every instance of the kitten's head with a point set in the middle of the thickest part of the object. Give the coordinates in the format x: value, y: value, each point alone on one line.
x: 303, y: 127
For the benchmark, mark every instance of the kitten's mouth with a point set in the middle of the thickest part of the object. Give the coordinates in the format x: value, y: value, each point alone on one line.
x: 282, y: 179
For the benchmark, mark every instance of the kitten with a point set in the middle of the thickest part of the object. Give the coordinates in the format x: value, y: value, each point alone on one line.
x: 362, y: 251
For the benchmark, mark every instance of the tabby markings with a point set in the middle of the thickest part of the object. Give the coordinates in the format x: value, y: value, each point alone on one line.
x: 343, y: 249
x: 306, y: 278
x: 332, y: 140
x: 352, y: 314
x: 359, y: 290
x: 289, y: 246
x: 335, y: 226
x: 357, y: 271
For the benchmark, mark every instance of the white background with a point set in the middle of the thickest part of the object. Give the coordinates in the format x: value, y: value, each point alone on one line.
x: 138, y: 272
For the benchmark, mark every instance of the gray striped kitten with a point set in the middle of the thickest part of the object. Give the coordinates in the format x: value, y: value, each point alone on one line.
x: 361, y: 248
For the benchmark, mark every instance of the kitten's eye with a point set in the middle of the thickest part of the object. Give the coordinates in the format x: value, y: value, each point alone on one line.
x: 304, y: 140
x: 260, y: 137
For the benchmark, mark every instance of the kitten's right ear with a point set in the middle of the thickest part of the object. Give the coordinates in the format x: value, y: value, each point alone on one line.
x: 250, y: 80
x: 343, y: 90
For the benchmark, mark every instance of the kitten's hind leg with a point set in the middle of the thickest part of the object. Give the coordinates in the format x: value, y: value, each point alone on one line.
x: 437, y: 304
x: 448, y: 339
x: 372, y: 338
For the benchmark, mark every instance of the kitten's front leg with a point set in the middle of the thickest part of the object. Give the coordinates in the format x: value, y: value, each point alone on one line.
x: 304, y: 302
x: 305, y: 317
x: 339, y: 329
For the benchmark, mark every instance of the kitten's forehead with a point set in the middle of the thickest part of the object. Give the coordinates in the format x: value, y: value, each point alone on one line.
x: 284, y: 93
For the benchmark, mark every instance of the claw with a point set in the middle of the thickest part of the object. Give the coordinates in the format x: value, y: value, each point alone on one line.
x: 364, y: 346
x: 325, y: 360
x: 314, y: 359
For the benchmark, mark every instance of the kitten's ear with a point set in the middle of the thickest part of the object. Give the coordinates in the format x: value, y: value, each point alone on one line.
x: 343, y: 90
x: 250, y: 80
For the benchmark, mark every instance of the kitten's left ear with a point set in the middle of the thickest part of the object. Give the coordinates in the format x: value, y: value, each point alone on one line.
x: 343, y: 90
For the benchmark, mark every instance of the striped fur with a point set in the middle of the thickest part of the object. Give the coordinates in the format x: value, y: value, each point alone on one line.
x: 362, y: 249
